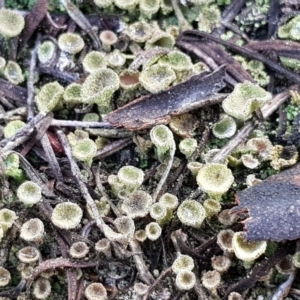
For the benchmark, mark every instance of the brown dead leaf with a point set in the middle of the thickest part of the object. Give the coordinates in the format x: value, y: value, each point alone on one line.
x: 274, y: 207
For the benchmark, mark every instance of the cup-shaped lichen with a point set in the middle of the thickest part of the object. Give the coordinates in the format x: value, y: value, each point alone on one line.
x: 188, y: 146
x: 224, y: 128
x: 7, y: 218
x: 185, y: 280
x: 29, y: 193
x: 33, y: 231
x: 177, y: 60
x: 212, y: 207
x: 99, y: 87
x: 183, y: 263
x: 127, y: 5
x: 160, y: 39
x: 103, y: 3
x: 125, y: 226
x: 108, y: 38
x: 149, y: 7
x: 140, y: 32
x: 41, y: 288
x: 153, y: 231
x: 85, y: 150
x: 94, y: 61
x: 209, y: 18
x: 79, y: 250
x: 28, y: 255
x: 4, y: 277
x: 244, y: 100
x: 66, y: 215
x: 71, y: 43
x: 72, y: 94
x: 11, y: 23
x: 247, y: 251
x: 291, y: 30
x: 160, y: 213
x: 157, y: 78
x: 12, y: 127
x: 46, y: 52
x: 162, y: 137
x: 131, y: 177
x: 191, y: 213
x: 96, y: 291
x: 13, y: 72
x: 49, y: 96
x: 137, y: 204
x: 215, y: 179
x: 129, y: 80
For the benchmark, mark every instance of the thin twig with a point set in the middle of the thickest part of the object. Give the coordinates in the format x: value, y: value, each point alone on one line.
x: 166, y: 173
x: 68, y: 123
x: 157, y: 281
x: 30, y: 83
x: 248, y: 53
x: 101, y: 189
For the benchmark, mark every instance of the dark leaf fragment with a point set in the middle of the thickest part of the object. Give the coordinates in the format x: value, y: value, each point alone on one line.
x: 274, y: 207
x: 157, y: 108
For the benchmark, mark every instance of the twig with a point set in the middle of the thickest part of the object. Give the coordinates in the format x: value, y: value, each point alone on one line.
x: 76, y: 173
x: 141, y: 266
x: 23, y: 134
x: 229, y: 14
x: 157, y: 281
x: 182, y: 22
x: 166, y: 173
x: 113, y: 148
x: 52, y: 160
x: 101, y: 189
x: 68, y: 123
x: 284, y: 289
x: 55, y: 25
x: 30, y: 83
x: 248, y: 53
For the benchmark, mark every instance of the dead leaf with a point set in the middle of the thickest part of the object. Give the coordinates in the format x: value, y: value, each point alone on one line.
x: 157, y: 108
x: 274, y: 207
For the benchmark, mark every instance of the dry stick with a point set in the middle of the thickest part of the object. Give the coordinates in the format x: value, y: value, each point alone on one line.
x: 51, y: 157
x: 5, y: 102
x: 250, y: 54
x: 13, y: 114
x: 34, y: 176
x: 166, y: 173
x: 55, y: 25
x: 204, y: 57
x: 182, y: 22
x: 244, y: 132
x: 284, y: 289
x: 66, y: 76
x: 103, y: 192
x: 23, y: 134
x: 76, y: 173
x: 41, y: 129
x: 134, y: 245
x: 113, y: 148
x: 68, y: 123
x: 30, y: 83
x: 157, y: 281
x: 229, y: 14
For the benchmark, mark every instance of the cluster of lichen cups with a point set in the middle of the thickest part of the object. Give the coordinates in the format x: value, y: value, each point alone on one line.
x: 108, y: 73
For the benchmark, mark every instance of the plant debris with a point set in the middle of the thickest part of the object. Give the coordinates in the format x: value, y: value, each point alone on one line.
x: 274, y: 207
